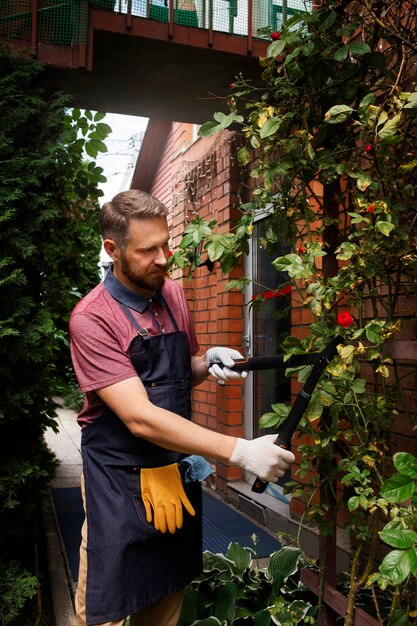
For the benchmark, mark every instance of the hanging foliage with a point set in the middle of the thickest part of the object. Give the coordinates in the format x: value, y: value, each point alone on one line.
x: 330, y: 142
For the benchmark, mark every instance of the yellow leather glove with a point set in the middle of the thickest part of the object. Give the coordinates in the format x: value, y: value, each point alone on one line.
x: 163, y: 493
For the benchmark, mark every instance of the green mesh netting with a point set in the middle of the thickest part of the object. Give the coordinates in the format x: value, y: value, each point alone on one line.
x: 229, y: 16
x: 62, y: 22
x: 66, y: 21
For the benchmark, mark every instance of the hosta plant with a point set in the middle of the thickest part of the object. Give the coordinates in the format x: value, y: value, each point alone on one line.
x: 232, y: 592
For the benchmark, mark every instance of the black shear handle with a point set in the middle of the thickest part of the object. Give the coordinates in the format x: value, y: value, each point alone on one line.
x: 299, y: 407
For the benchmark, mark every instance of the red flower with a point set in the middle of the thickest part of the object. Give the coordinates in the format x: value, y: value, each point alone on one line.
x: 232, y: 85
x: 368, y: 148
x: 301, y: 250
x: 371, y: 208
x: 345, y: 319
x: 275, y: 36
x: 268, y: 295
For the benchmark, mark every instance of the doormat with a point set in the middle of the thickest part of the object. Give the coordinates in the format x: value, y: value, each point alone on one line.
x: 222, y: 524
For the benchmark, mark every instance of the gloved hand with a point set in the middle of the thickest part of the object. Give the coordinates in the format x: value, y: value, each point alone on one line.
x: 262, y: 457
x: 215, y: 357
x: 163, y: 493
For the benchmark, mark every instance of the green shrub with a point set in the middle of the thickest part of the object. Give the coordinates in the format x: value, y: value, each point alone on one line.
x: 49, y: 247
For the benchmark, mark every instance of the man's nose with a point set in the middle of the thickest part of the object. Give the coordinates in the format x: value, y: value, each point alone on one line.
x: 161, y: 258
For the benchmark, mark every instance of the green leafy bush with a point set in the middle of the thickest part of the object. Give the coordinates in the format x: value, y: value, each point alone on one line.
x: 49, y: 253
x: 231, y: 592
x: 17, y: 586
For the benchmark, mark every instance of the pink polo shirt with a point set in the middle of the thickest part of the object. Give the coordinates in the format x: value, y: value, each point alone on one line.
x: 101, y: 334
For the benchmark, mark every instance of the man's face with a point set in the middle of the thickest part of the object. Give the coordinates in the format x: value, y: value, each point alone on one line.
x: 142, y: 264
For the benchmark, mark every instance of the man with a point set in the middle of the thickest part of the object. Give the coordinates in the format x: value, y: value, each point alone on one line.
x: 134, y: 351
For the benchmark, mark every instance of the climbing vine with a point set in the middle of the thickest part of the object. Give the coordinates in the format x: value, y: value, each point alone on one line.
x: 329, y: 136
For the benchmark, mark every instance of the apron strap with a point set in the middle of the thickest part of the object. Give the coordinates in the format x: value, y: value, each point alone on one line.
x: 171, y: 317
x: 142, y: 332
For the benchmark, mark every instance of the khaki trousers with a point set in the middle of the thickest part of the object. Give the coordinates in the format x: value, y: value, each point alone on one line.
x: 166, y: 612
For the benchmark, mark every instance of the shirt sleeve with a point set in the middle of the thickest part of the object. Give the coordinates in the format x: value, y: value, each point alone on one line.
x: 97, y: 355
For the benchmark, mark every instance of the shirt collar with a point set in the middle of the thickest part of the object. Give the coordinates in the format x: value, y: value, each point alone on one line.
x: 126, y: 296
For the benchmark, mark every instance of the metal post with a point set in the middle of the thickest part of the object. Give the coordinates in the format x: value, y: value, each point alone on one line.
x: 284, y: 11
x: 250, y: 25
x: 171, y: 19
x: 34, y: 25
x: 129, y: 14
x: 210, y: 23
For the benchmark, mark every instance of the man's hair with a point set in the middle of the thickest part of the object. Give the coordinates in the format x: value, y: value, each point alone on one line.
x: 115, y: 215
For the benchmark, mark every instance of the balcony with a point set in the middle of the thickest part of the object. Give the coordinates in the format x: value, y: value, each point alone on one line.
x: 172, y: 59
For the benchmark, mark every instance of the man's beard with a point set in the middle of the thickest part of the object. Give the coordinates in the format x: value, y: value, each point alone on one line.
x: 153, y: 281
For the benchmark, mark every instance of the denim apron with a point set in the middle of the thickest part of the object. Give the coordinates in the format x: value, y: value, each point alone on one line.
x: 130, y: 565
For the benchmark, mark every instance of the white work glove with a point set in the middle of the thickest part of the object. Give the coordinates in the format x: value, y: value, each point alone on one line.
x: 215, y: 357
x: 262, y: 457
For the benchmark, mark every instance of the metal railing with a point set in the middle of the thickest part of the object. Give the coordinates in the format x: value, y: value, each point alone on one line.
x: 65, y: 22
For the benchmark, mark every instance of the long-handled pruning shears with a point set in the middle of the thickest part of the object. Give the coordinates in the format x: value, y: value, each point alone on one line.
x: 319, y: 360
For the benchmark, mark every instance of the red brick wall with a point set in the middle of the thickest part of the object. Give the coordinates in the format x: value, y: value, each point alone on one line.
x: 203, y: 180
x: 161, y: 187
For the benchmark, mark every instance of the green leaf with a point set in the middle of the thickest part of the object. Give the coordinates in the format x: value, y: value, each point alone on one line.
x: 353, y: 503
x: 412, y: 559
x: 399, y: 538
x: 281, y: 409
x: 293, y: 264
x: 103, y: 129
x: 224, y: 605
x: 276, y: 48
x: 373, y: 333
x: 390, y: 127
x: 337, y: 114
x: 346, y: 250
x: 385, y: 227
x: 283, y: 563
x: 94, y: 146
x: 208, y: 129
x: 240, y: 556
x: 262, y: 618
x: 358, y: 385
x: 270, y: 127
x: 359, y: 49
x: 215, y: 250
x: 341, y: 53
x: 270, y: 420
x: 398, y: 488
x: 406, y: 463
x: 364, y: 181
x: 395, y: 566
x: 243, y: 155
x: 226, y: 120
x: 366, y: 101
x: 315, y: 408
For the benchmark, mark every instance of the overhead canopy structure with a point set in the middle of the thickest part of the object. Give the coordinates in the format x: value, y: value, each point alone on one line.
x: 171, y: 59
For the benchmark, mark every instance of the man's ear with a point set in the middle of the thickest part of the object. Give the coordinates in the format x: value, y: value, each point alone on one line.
x: 112, y: 249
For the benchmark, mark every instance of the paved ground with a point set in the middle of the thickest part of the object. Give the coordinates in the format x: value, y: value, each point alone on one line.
x: 66, y: 445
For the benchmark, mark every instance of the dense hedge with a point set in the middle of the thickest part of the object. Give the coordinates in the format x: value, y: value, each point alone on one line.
x: 49, y: 253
